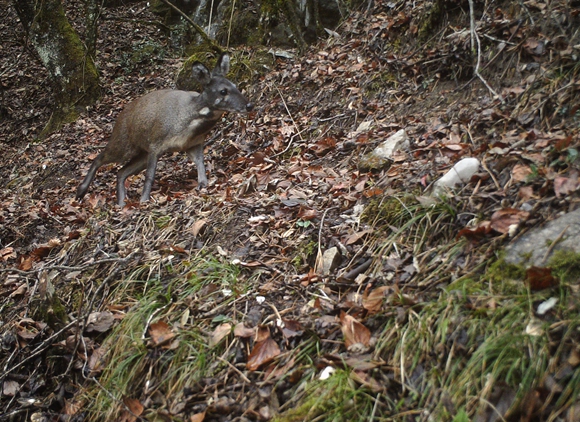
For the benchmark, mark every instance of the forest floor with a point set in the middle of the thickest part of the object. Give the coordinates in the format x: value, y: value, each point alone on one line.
x: 299, y: 285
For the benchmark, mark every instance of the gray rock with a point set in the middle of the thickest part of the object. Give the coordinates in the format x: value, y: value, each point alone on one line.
x: 330, y: 260
x: 537, y: 246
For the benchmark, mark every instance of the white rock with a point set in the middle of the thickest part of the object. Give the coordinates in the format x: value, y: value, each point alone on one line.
x: 460, y: 173
x: 397, y: 141
x: 546, y: 305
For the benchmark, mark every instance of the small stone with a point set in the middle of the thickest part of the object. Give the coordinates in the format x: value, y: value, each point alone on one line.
x: 330, y: 260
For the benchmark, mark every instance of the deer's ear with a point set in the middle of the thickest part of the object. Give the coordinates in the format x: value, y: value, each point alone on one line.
x: 223, y: 65
x: 201, y: 73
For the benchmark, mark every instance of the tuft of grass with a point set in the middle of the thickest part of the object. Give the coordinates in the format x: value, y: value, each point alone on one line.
x: 133, y: 369
x: 337, y: 398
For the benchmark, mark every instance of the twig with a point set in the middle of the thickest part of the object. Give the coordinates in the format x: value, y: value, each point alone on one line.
x: 39, y: 349
x: 491, y: 175
x: 88, y: 311
x: 240, y: 373
x: 198, y: 28
x: 65, y: 267
x: 475, y: 37
x: 554, y: 243
x: 318, y: 264
x: 290, y: 114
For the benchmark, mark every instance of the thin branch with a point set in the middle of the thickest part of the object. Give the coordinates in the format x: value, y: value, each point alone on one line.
x: 475, y: 37
x: 198, y: 28
x: 65, y: 267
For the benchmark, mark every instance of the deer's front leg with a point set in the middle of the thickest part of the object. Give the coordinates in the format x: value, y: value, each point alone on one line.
x: 195, y: 154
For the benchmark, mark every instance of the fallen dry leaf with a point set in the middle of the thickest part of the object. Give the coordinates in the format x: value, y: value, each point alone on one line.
x: 244, y: 332
x: 564, y: 186
x: 262, y: 353
x: 526, y: 193
x: 135, y: 409
x: 198, y: 417
x: 503, y: 219
x: 540, y: 278
x: 10, y: 388
x: 291, y: 328
x: 366, y: 380
x: 220, y: 333
x: 473, y: 235
x: 7, y: 253
x: 354, y: 332
x: 521, y: 172
x: 373, y: 301
x: 100, y: 321
x: 160, y: 333
x: 197, y: 226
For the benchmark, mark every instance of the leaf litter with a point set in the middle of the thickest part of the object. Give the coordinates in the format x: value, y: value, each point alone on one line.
x: 161, y: 301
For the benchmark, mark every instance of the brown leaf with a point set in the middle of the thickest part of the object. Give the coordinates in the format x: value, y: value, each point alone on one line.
x: 220, y: 333
x: 307, y: 214
x: 353, y: 238
x: 244, y: 332
x: 262, y: 353
x: 540, y: 278
x: 562, y: 144
x: 476, y: 234
x: 291, y: 328
x: 41, y: 251
x: 263, y: 333
x: 25, y: 263
x: 521, y: 172
x: 526, y: 193
x: 7, y: 253
x: 97, y: 360
x: 198, y: 417
x: 100, y: 321
x: 160, y: 333
x: 502, y: 220
x: 373, y: 301
x: 135, y: 410
x: 197, y: 226
x: 366, y: 380
x: 564, y: 185
x: 354, y: 332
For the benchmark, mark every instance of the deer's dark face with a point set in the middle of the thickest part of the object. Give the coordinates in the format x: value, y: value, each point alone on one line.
x: 222, y: 95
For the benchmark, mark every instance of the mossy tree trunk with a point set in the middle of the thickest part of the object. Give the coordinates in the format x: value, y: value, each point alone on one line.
x: 72, y: 72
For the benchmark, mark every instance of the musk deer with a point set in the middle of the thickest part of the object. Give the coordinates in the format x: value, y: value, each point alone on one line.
x: 168, y: 121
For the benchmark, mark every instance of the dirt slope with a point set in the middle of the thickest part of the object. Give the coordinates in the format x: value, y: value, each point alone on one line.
x: 285, y: 186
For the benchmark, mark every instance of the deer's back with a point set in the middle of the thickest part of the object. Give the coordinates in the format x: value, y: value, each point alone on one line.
x: 162, y: 121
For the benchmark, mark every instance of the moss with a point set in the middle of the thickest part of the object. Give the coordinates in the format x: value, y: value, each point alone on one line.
x: 243, y: 68
x: 566, y: 266
x: 505, y: 278
x: 241, y: 27
x: 279, y: 18
x: 387, y: 210
x: 430, y: 20
x: 51, y: 311
x: 304, y: 253
x: 72, y: 72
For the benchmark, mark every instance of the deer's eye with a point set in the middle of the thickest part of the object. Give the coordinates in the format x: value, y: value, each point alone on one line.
x: 224, y: 92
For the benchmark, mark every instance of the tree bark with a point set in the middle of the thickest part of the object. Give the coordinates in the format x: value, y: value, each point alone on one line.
x: 71, y: 71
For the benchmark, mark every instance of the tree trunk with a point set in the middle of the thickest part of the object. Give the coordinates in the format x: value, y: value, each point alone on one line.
x: 71, y: 71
